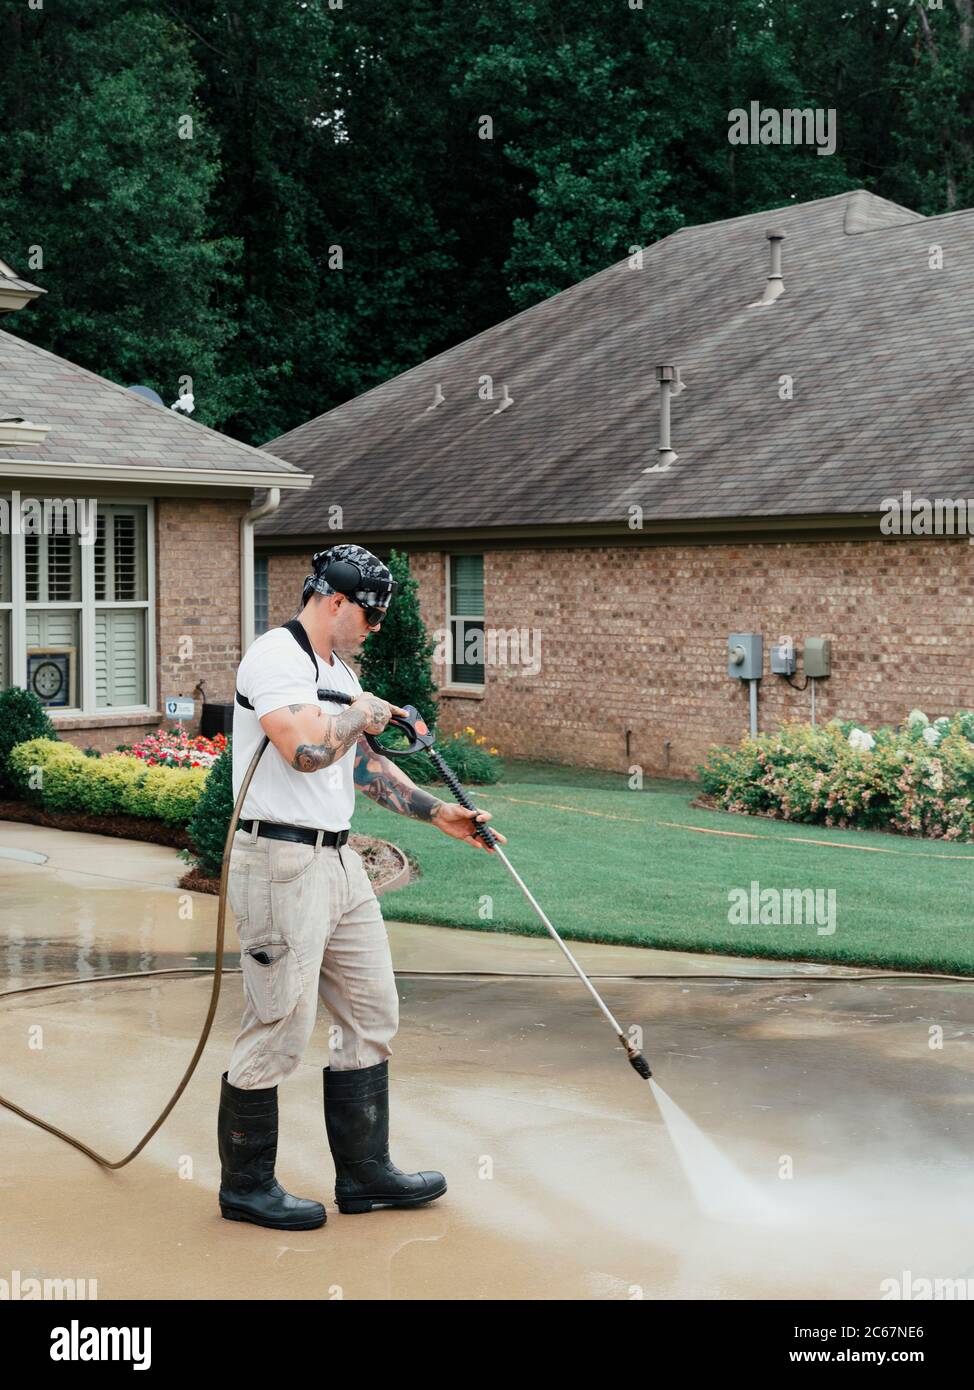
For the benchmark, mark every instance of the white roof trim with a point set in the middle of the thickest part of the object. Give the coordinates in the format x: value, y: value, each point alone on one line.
x: 185, y: 477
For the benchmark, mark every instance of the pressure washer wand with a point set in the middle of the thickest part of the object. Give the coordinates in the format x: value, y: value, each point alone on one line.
x: 636, y: 1058
x: 421, y: 739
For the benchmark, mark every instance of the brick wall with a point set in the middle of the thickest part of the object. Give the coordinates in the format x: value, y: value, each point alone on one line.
x: 198, y: 595
x: 285, y: 575
x: 636, y: 638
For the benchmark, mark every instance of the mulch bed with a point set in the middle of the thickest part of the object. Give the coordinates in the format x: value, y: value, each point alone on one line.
x: 383, y: 864
x: 121, y: 827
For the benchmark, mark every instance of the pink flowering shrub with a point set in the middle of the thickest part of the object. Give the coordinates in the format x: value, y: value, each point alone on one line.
x: 174, y: 748
x: 909, y: 780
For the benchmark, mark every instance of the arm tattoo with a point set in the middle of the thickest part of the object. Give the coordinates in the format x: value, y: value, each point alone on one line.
x: 387, y: 785
x: 312, y: 757
x: 343, y: 731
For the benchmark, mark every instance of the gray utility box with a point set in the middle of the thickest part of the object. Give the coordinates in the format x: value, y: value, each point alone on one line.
x: 783, y: 658
x: 745, y: 655
x: 817, y: 656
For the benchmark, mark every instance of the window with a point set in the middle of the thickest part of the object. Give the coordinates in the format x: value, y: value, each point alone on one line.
x: 261, y: 595
x: 75, y: 618
x: 121, y: 603
x: 465, y: 586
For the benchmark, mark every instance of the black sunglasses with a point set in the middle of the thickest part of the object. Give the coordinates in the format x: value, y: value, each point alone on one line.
x: 372, y: 615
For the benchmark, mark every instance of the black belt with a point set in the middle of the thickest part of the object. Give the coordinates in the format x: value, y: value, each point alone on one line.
x: 300, y: 834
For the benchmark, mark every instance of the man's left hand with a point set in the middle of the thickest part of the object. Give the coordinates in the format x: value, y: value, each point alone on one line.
x: 458, y: 822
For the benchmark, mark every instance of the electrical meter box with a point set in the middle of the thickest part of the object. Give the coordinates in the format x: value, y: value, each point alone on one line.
x: 783, y: 658
x: 817, y: 656
x: 745, y: 655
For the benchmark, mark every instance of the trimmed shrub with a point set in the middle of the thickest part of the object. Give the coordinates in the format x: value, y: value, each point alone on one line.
x: 211, y: 818
x: 168, y: 794
x: 47, y: 773
x: 22, y: 717
x: 918, y: 779
x: 68, y: 780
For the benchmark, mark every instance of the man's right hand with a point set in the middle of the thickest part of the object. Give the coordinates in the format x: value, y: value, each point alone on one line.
x: 379, y: 711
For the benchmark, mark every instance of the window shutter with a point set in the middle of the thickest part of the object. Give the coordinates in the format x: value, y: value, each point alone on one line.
x: 5, y: 585
x: 62, y: 552
x: 53, y: 569
x: 54, y: 629
x: 32, y: 565
x: 102, y: 682
x: 125, y: 558
x: 119, y: 556
x: 100, y: 557
x: 119, y: 657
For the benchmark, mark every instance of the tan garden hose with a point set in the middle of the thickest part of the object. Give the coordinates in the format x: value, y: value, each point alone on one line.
x: 218, y: 972
x: 210, y: 1014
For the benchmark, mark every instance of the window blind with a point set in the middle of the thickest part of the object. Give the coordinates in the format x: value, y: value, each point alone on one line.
x: 467, y: 586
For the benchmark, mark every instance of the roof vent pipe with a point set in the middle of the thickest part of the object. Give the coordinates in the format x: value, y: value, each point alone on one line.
x: 670, y: 385
x: 775, y: 287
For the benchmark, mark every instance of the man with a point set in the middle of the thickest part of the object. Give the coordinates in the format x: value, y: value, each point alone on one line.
x: 308, y: 921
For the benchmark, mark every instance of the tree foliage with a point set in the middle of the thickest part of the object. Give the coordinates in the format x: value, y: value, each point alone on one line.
x: 394, y: 663
x: 368, y: 183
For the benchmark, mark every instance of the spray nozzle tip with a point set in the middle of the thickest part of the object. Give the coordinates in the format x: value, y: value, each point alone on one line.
x: 638, y: 1063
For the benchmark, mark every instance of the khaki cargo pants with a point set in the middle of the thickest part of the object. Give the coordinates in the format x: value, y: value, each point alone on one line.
x: 310, y: 927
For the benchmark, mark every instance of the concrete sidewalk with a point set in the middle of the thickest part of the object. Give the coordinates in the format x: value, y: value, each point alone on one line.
x: 564, y: 1182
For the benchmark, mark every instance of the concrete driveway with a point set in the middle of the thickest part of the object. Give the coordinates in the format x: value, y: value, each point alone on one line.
x: 826, y: 1096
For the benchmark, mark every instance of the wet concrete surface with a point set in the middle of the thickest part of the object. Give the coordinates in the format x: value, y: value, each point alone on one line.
x: 564, y: 1180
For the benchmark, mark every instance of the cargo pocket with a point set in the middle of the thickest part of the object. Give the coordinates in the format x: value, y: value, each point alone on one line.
x: 272, y: 978
x: 267, y: 898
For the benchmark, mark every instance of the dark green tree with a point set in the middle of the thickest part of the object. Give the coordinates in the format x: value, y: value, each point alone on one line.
x: 210, y: 821
x: 354, y: 134
x: 107, y: 166
x: 395, y: 661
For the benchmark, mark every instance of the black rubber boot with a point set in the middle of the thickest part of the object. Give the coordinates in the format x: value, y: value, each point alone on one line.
x: 247, y: 1135
x: 357, y: 1121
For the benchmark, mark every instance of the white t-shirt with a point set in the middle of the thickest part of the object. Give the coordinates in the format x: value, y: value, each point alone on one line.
x: 274, y: 673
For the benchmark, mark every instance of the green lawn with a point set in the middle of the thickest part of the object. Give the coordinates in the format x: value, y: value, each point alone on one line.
x: 599, y: 859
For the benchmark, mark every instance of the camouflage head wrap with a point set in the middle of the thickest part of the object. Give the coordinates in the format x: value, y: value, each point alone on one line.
x: 377, y: 586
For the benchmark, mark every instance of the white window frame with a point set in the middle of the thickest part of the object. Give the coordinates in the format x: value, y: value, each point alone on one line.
x: 451, y: 683
x: 87, y: 607
x: 7, y: 606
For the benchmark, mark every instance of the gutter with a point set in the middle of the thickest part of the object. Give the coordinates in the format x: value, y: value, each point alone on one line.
x: 270, y: 504
x: 137, y: 473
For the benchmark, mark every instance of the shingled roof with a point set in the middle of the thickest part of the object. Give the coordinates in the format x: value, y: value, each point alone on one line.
x: 12, y: 285
x: 97, y: 424
x: 877, y: 341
